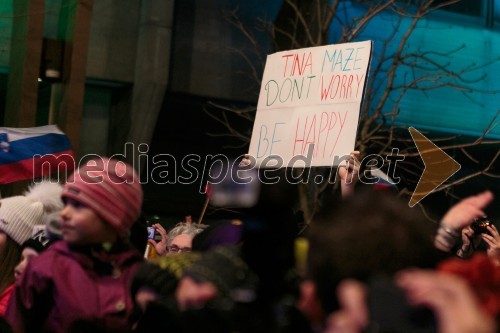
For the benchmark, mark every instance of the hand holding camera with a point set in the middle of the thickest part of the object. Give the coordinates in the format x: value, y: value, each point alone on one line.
x: 492, y: 238
x: 468, y: 239
x: 458, y: 217
x: 480, y: 226
x: 161, y: 246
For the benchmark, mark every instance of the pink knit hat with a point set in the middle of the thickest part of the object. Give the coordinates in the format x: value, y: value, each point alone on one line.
x: 109, y: 187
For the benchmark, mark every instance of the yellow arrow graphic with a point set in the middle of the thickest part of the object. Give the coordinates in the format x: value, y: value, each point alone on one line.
x: 439, y: 166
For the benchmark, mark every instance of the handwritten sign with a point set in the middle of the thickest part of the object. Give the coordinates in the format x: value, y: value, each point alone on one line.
x: 309, y: 104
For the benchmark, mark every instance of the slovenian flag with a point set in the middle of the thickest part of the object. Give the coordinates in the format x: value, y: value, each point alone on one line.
x: 384, y: 182
x: 29, y: 153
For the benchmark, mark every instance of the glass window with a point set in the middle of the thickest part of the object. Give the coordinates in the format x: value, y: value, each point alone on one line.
x: 467, y: 7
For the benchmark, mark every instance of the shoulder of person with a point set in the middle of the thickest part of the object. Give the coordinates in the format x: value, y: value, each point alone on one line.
x: 52, y: 258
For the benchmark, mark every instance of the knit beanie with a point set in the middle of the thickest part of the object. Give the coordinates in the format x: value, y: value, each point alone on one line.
x: 163, y: 273
x: 218, y: 233
x: 110, y: 188
x: 19, y: 214
x: 224, y: 267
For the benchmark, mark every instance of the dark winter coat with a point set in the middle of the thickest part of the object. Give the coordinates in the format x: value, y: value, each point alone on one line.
x: 64, y: 284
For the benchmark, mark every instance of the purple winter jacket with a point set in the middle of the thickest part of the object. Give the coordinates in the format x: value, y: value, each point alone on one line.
x: 64, y: 284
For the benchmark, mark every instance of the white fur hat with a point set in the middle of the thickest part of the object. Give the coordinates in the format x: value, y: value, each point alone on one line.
x: 19, y: 214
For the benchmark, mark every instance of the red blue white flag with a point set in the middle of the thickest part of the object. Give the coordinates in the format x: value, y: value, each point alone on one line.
x: 384, y: 182
x: 29, y: 153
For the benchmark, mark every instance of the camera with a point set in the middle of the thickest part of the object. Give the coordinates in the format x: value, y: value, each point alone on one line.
x: 151, y: 232
x: 480, y: 226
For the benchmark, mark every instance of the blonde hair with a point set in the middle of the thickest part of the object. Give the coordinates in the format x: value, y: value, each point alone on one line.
x: 10, y: 256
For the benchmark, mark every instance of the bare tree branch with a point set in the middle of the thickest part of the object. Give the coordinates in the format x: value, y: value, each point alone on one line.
x: 309, y: 23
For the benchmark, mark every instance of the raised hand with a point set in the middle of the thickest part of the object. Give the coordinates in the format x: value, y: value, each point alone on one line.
x: 464, y: 212
x: 161, y: 246
x: 349, y: 174
x: 459, y: 216
x: 468, y: 241
x: 493, y: 241
x: 454, y: 303
x: 353, y: 316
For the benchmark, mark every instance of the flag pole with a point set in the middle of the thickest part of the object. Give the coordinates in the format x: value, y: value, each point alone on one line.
x: 207, y: 200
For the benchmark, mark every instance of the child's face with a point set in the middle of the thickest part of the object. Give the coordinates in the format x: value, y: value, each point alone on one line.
x: 27, y: 254
x: 82, y: 226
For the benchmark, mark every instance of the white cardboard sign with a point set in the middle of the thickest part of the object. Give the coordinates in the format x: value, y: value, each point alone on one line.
x: 309, y: 104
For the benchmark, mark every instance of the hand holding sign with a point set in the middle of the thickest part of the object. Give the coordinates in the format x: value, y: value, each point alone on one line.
x: 349, y: 174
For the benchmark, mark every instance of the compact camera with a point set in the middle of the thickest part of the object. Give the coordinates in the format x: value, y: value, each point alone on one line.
x: 480, y: 226
x: 151, y: 232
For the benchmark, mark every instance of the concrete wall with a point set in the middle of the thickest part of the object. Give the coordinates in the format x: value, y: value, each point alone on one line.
x: 205, y: 61
x: 113, y: 40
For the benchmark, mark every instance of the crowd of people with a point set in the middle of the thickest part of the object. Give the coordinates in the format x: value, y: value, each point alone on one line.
x: 367, y: 263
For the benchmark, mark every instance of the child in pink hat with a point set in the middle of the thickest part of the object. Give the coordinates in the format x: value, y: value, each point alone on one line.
x: 86, y: 276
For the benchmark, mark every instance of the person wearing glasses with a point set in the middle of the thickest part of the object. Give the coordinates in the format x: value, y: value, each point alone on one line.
x: 178, y: 240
